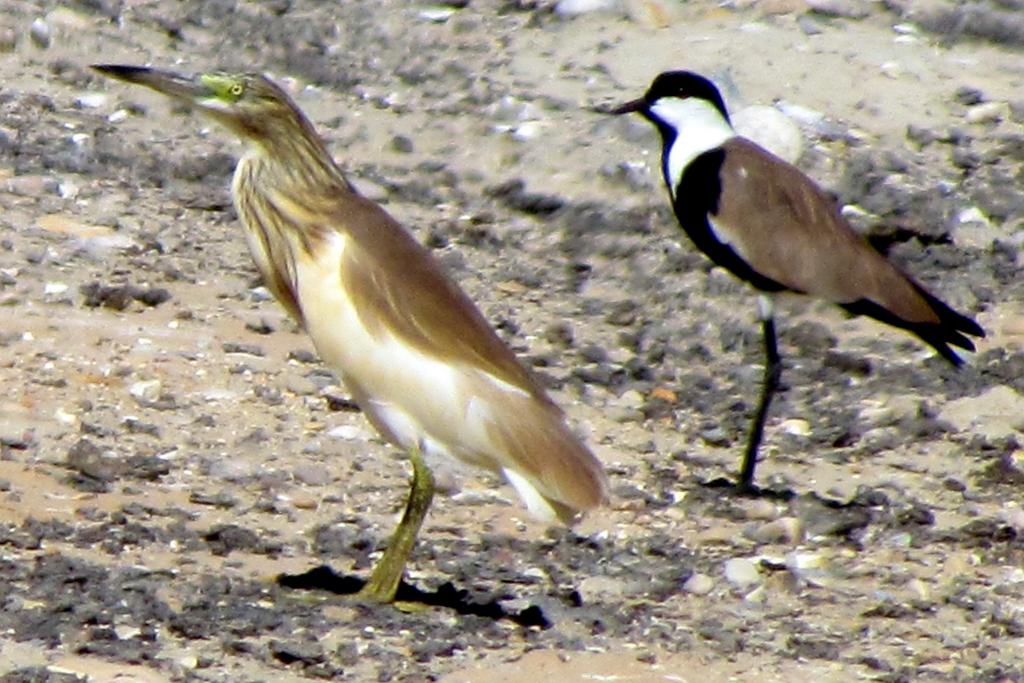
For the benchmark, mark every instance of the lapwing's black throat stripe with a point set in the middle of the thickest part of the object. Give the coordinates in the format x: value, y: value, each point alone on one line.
x: 698, y: 195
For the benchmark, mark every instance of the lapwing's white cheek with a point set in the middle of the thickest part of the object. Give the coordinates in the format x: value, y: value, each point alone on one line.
x: 699, y: 128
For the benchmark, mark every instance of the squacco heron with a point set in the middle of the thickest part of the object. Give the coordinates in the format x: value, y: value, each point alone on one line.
x: 417, y: 355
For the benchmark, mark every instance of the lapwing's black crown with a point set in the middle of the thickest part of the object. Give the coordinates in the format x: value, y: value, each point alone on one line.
x: 684, y: 84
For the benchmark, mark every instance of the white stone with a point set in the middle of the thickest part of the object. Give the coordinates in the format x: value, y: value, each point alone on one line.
x: 796, y: 427
x: 893, y: 70
x: 973, y: 214
x: 67, y: 189
x: 572, y: 8
x: 125, y: 631
x: 437, y: 15
x: 742, y: 572
x: 347, y: 432
x: 629, y: 399
x: 146, y: 390
x: 797, y: 562
x: 805, y: 116
x: 261, y: 293
x: 699, y: 584
x: 40, y: 33
x: 772, y: 129
x: 91, y: 100
x: 213, y: 395
x: 510, y: 110
x: 527, y: 131
x: 988, y: 112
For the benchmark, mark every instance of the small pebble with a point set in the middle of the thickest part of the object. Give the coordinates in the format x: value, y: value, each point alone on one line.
x: 52, y: 289
x: 302, y: 356
x: 436, y: 15
x: 891, y: 70
x: 804, y: 561
x: 849, y: 9
x: 573, y: 8
x: 246, y: 349
x: 347, y: 432
x: 219, y: 394
x: 988, y: 112
x: 312, y: 474
x: 40, y: 33
x: 8, y: 39
x: 260, y: 294
x: 760, y: 509
x: 598, y: 589
x: 629, y: 399
x: 30, y: 185
x: 742, y: 572
x: 715, y: 436
x: 146, y: 390
x: 403, y: 144
x: 232, y: 469
x: 652, y: 13
x: 300, y: 386
x: 968, y: 96
x: 796, y: 427
x: 809, y: 26
x: 782, y: 530
x: 304, y: 501
x: 527, y: 131
x: 91, y: 100
x: 699, y: 584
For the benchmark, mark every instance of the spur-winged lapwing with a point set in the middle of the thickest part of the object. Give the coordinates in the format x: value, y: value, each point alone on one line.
x: 767, y: 223
x: 419, y: 358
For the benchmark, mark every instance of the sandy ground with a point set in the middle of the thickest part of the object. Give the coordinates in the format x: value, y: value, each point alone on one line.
x: 171, y: 448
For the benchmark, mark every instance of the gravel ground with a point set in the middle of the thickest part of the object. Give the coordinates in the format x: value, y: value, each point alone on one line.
x: 185, y: 491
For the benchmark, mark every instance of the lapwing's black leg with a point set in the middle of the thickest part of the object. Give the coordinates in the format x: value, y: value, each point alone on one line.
x: 772, y: 374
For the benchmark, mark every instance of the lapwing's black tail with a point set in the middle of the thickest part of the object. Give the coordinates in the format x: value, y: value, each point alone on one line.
x: 951, y: 329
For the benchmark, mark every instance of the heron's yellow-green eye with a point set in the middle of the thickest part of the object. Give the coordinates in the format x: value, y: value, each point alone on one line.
x: 224, y: 87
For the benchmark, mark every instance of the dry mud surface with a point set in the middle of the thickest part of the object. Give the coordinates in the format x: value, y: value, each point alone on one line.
x: 175, y: 462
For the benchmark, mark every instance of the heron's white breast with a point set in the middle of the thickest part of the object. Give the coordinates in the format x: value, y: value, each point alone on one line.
x: 421, y: 399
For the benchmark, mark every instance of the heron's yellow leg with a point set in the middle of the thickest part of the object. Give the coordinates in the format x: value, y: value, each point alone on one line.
x: 388, y: 571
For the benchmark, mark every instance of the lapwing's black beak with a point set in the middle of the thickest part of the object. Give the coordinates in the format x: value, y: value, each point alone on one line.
x: 631, y: 107
x: 627, y: 108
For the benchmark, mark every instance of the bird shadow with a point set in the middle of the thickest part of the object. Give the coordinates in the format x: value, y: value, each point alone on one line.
x: 324, y: 578
x: 750, y: 491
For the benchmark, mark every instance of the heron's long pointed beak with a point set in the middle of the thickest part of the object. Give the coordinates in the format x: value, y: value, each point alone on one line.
x: 187, y: 87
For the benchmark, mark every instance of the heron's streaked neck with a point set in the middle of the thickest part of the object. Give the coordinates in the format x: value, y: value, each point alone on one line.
x: 292, y: 155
